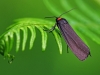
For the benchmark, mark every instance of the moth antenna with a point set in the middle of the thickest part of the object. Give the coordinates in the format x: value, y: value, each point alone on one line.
x: 67, y: 11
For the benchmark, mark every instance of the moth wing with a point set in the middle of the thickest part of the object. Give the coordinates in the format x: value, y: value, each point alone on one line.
x: 74, y: 42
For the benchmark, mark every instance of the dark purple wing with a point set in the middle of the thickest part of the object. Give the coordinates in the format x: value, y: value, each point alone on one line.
x: 74, y: 42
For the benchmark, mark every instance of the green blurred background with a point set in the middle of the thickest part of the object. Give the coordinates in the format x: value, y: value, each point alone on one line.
x: 50, y: 62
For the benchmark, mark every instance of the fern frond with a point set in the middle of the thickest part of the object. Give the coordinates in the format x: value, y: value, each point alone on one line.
x: 58, y: 39
x: 44, y: 37
x: 25, y: 25
x: 32, y: 39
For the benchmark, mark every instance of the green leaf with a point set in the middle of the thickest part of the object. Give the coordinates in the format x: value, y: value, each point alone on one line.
x: 58, y: 40
x: 11, y: 41
x: 33, y: 35
x: 17, y: 32
x: 25, y: 25
x: 6, y: 45
x: 44, y: 37
x: 25, y: 34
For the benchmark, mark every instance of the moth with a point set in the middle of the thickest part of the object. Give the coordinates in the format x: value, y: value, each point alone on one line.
x: 74, y: 42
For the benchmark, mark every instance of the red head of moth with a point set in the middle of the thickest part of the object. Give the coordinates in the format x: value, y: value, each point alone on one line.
x: 59, y: 18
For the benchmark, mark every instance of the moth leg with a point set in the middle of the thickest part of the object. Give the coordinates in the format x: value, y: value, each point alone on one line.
x: 50, y: 30
x: 67, y: 49
x: 90, y: 54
